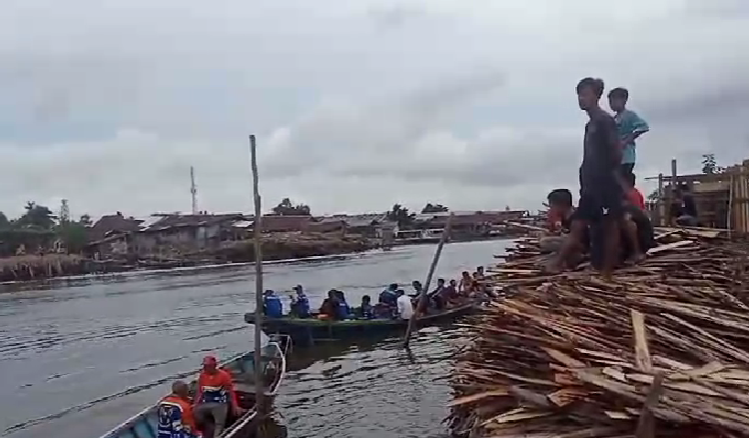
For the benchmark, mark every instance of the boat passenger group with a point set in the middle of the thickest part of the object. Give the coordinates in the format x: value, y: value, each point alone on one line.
x: 610, y: 221
x: 179, y: 416
x: 392, y: 303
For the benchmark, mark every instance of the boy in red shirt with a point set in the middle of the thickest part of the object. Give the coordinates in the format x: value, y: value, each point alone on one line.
x: 214, y: 396
x: 634, y: 196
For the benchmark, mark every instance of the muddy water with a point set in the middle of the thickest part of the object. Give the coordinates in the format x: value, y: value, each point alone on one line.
x: 76, y: 361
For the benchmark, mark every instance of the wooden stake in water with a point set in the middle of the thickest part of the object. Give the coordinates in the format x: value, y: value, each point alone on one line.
x: 425, y: 289
x: 257, y: 225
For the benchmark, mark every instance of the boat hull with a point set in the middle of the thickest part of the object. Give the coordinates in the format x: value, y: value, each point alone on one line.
x: 145, y: 424
x: 308, y: 331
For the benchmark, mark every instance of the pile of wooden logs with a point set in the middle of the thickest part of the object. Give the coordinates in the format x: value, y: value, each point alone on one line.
x: 663, y: 350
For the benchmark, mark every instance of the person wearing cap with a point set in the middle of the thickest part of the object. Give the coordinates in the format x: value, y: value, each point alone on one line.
x: 175, y: 416
x: 215, y: 396
x: 272, y: 305
x: 300, y: 303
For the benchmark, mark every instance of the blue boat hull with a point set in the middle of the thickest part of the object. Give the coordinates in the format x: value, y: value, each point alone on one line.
x: 144, y: 424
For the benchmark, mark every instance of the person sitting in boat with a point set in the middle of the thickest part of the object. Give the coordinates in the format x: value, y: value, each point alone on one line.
x: 344, y: 310
x: 560, y: 213
x: 300, y: 303
x: 418, y: 288
x: 272, y: 305
x: 389, y: 295
x: 366, y: 311
x: 175, y: 416
x: 437, y: 296
x: 466, y: 285
x: 451, y: 292
x: 214, y: 397
x: 405, y: 306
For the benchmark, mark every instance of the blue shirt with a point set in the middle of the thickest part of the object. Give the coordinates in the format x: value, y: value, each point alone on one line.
x: 302, y: 305
x: 627, y: 123
x: 273, y: 306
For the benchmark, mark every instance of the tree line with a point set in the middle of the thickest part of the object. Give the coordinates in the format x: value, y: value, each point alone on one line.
x: 39, y: 226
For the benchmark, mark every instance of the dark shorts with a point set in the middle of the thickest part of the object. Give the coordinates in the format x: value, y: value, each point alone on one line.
x: 602, y: 201
x: 627, y: 169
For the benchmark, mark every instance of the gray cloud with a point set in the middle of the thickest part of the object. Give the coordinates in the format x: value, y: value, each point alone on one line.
x: 356, y: 105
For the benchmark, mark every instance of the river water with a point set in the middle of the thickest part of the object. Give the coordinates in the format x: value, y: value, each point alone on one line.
x: 76, y: 361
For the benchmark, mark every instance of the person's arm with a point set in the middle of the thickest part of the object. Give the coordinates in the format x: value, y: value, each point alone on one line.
x: 228, y: 385
x: 610, y: 136
x: 639, y: 127
x: 198, y: 390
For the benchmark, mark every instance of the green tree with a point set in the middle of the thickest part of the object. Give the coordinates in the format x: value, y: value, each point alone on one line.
x: 36, y: 216
x: 287, y: 208
x: 73, y: 236
x: 434, y: 208
x: 85, y: 220
x: 401, y: 215
x: 709, y: 165
x: 4, y: 222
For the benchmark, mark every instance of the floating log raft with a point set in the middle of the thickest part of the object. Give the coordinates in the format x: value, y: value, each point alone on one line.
x: 662, y: 351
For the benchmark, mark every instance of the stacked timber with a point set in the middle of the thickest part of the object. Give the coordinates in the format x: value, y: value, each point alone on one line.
x: 662, y: 351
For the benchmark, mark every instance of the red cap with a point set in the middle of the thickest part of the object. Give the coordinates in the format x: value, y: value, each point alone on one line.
x: 210, y: 360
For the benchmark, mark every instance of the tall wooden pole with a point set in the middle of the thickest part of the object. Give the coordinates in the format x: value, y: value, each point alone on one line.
x: 671, y: 193
x: 425, y: 289
x: 257, y: 225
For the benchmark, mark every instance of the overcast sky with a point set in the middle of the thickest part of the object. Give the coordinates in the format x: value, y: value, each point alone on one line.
x: 356, y: 104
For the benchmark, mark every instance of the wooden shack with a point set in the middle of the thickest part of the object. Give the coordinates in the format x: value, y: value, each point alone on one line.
x: 722, y: 198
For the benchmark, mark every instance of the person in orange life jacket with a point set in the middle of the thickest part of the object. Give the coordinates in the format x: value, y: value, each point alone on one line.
x: 174, y: 413
x: 272, y: 305
x: 215, y: 395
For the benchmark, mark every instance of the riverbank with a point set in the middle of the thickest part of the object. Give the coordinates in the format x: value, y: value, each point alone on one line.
x: 275, y: 247
x: 663, y: 350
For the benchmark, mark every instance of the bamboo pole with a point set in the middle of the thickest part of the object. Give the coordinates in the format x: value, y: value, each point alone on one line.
x: 259, y: 387
x: 671, y: 195
x: 425, y: 289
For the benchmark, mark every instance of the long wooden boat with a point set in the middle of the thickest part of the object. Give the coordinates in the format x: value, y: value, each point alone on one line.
x: 307, y: 331
x: 145, y: 424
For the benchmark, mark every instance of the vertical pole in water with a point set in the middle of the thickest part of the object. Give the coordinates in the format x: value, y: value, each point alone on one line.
x: 671, y: 193
x: 425, y: 288
x: 257, y: 225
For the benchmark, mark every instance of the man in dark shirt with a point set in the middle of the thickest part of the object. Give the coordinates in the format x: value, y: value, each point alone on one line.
x: 684, y: 212
x: 601, y: 186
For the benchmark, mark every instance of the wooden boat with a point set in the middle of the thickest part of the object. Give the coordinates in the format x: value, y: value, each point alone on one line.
x: 145, y: 424
x: 307, y: 331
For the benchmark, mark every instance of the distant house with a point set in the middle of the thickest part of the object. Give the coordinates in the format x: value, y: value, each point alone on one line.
x: 470, y: 222
x: 113, y: 224
x: 285, y: 224
x: 327, y: 225
x: 192, y: 231
x: 367, y: 225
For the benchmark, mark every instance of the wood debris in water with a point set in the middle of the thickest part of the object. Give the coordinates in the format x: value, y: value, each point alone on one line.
x: 663, y: 351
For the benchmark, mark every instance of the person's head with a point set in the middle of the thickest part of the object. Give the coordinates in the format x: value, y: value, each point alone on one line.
x: 416, y: 284
x: 180, y: 389
x: 476, y: 275
x: 366, y: 299
x: 618, y: 99
x: 400, y: 292
x: 480, y: 270
x: 453, y: 283
x: 339, y: 295
x: 630, y: 179
x: 299, y: 289
x: 393, y: 287
x: 466, y: 274
x: 589, y: 92
x: 210, y: 364
x: 332, y: 294
x: 268, y: 293
x: 560, y: 200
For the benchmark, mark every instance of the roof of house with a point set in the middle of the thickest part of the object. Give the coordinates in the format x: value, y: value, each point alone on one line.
x: 116, y: 223
x: 192, y: 220
x: 272, y: 223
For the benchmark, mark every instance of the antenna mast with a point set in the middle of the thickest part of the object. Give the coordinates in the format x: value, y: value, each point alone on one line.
x: 193, y: 191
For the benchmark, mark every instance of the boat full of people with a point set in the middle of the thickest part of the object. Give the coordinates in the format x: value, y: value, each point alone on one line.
x: 336, y: 319
x: 219, y: 403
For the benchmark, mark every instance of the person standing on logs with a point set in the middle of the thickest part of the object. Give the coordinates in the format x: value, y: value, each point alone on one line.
x: 601, y: 184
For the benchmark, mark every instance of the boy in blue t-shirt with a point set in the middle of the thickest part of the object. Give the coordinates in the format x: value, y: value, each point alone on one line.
x: 629, y: 125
